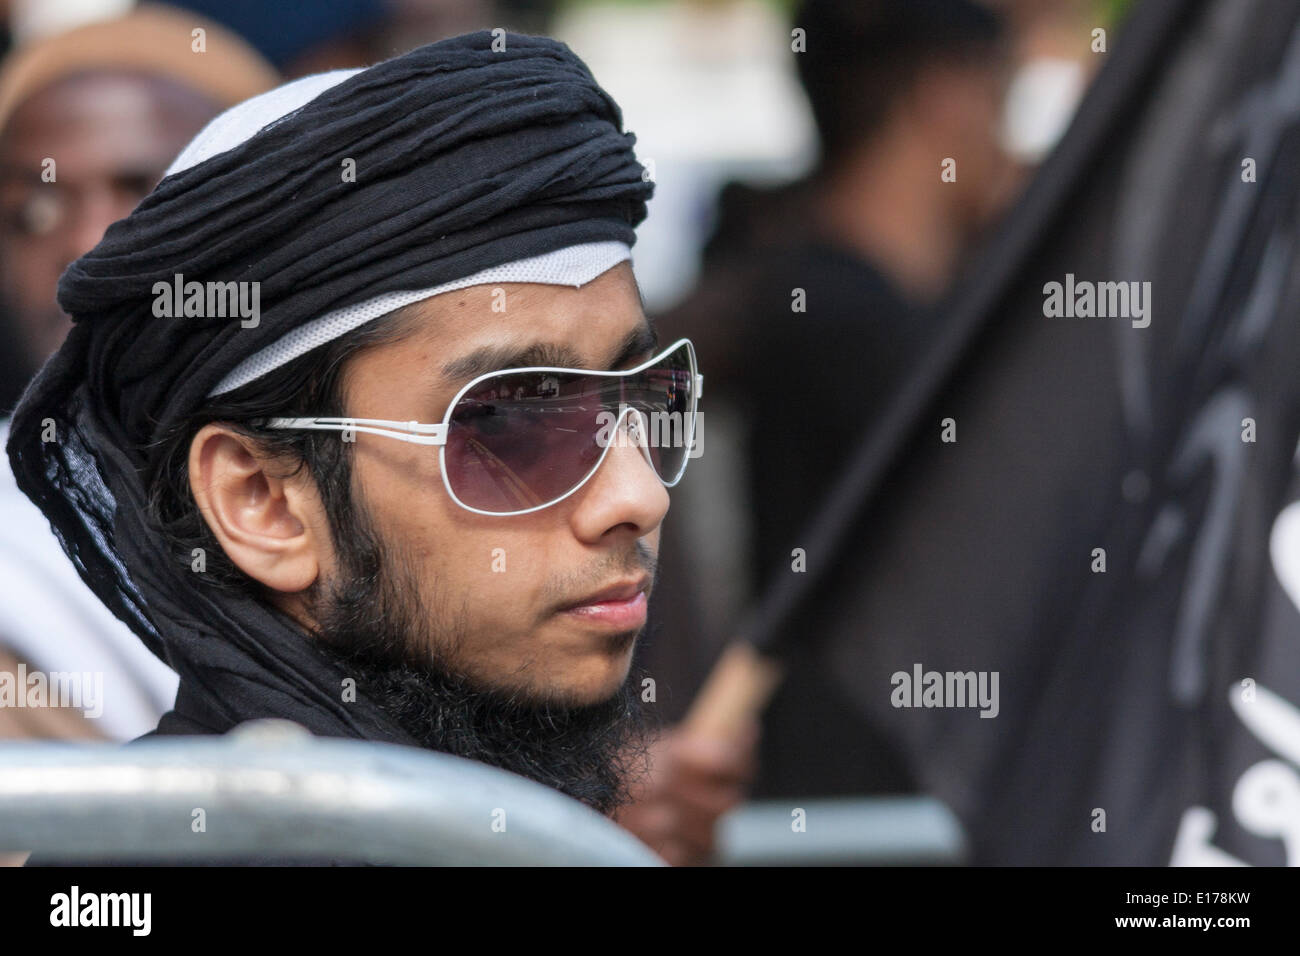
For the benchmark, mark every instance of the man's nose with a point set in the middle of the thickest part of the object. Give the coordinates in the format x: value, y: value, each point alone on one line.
x: 625, y: 491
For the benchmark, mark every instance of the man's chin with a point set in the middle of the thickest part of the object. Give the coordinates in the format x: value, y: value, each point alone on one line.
x: 588, y: 742
x: 597, y: 678
x: 584, y: 683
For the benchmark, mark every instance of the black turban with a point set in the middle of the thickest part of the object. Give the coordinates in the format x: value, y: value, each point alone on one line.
x: 465, y: 158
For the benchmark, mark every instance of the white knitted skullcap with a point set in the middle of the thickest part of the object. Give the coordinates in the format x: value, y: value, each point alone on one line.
x: 242, y: 121
x: 572, y: 265
x: 575, y: 265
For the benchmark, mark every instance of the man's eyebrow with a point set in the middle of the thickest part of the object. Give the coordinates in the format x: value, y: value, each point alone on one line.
x: 644, y: 338
x: 492, y: 358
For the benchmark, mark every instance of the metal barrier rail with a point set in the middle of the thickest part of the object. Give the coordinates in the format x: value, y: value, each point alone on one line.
x: 849, y: 830
x: 271, y: 791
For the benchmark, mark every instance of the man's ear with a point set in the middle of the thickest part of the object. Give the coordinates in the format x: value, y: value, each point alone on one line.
x: 272, y: 526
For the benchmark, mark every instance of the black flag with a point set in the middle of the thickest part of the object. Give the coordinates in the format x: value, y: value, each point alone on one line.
x: 1083, y: 516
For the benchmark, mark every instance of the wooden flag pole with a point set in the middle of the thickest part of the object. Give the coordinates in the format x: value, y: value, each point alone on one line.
x: 735, y: 693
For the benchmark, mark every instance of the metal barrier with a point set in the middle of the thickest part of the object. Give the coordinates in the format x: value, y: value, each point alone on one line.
x: 270, y: 790
x: 850, y: 830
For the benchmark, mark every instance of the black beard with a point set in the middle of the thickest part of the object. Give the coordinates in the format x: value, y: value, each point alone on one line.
x: 371, y: 620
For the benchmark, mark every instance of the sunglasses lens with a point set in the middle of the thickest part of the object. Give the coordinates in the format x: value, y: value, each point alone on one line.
x: 521, y: 440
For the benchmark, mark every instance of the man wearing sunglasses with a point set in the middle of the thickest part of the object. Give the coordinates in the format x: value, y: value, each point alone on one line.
x: 490, y: 564
x: 416, y: 498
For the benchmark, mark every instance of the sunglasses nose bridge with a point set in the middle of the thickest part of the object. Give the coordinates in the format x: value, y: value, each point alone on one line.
x: 633, y: 421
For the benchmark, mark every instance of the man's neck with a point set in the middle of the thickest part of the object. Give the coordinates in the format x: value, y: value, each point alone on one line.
x: 886, y: 202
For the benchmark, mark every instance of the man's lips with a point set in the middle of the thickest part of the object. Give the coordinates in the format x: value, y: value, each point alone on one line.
x: 622, y: 606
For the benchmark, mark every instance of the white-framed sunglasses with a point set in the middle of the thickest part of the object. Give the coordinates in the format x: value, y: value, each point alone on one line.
x: 519, y: 440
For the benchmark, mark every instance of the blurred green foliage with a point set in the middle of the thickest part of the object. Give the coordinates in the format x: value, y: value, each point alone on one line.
x: 1111, y: 13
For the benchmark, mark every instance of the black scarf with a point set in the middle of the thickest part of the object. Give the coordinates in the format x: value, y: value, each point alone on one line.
x: 465, y: 158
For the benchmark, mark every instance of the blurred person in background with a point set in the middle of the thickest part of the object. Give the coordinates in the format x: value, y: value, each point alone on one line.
x: 89, y: 120
x: 816, y: 299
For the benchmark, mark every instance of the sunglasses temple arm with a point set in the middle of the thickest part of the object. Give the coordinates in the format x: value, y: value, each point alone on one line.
x: 412, y: 432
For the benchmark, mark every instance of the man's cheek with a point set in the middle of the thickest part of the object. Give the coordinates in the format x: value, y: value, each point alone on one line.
x: 500, y: 594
